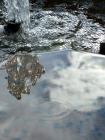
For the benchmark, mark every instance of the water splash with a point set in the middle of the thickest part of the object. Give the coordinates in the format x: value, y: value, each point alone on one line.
x: 18, y: 11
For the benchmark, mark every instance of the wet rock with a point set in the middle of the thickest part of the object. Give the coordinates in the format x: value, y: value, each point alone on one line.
x: 71, y: 4
x: 32, y: 1
x: 98, y: 7
x: 102, y: 48
x: 98, y: 1
x: 54, y: 2
x: 97, y: 11
x: 12, y: 27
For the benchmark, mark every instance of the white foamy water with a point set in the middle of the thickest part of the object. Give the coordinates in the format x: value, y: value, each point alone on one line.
x: 18, y: 10
x: 52, y: 29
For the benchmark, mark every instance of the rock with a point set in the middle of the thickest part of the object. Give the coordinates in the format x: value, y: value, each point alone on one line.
x: 97, y: 11
x: 52, y: 3
x: 32, y: 1
x: 12, y: 27
x: 98, y: 1
x: 98, y: 7
x: 102, y: 48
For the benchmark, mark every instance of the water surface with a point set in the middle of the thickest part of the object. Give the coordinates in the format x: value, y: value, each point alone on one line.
x: 66, y: 102
x: 61, y: 92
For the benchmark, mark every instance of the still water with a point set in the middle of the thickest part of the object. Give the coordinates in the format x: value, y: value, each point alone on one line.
x: 59, y: 99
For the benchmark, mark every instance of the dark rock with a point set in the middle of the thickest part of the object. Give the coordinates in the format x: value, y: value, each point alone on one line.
x: 51, y: 3
x: 97, y: 11
x: 98, y: 6
x: 12, y: 27
x: 24, y: 49
x: 32, y: 1
x: 102, y: 48
x: 97, y: 18
x: 98, y: 1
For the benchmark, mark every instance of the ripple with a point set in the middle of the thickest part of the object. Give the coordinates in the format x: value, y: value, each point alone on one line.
x: 53, y: 110
x: 4, y: 114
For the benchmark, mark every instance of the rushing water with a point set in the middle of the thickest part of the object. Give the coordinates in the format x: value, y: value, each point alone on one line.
x: 52, y: 29
x: 18, y: 11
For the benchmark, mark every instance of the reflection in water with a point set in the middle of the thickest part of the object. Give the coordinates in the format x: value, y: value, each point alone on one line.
x: 82, y: 85
x: 67, y: 104
x: 23, y: 71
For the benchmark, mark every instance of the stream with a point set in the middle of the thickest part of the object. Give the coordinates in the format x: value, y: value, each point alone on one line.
x: 55, y: 28
x: 52, y: 79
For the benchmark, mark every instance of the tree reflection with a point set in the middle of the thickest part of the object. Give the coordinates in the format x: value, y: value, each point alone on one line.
x: 23, y: 71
